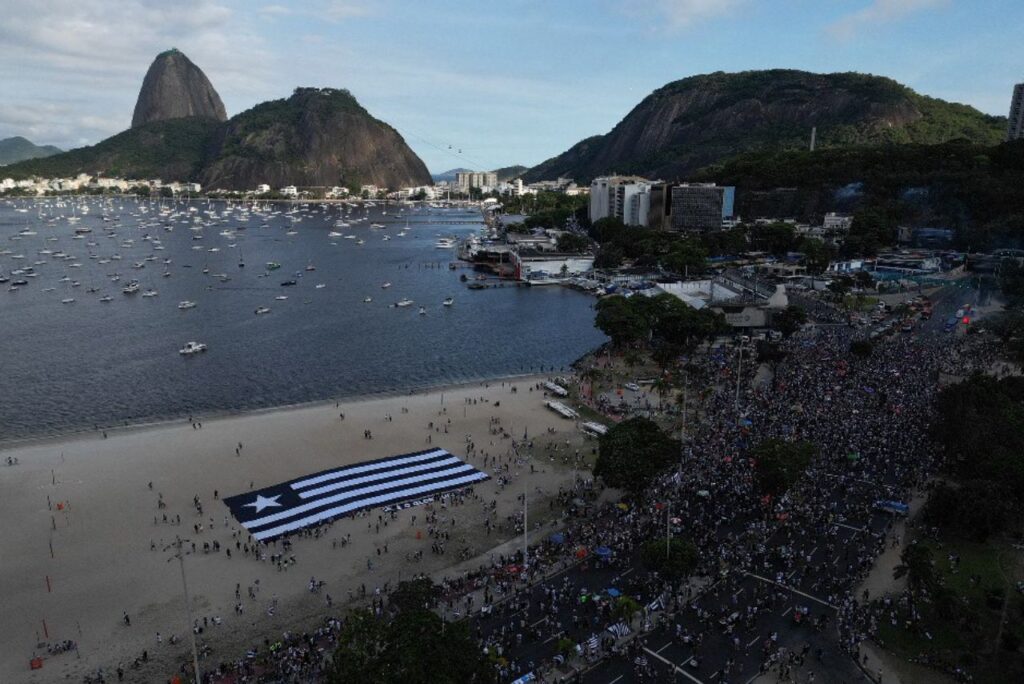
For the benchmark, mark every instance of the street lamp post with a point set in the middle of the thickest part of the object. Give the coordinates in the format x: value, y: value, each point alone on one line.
x: 180, y: 555
x: 739, y: 374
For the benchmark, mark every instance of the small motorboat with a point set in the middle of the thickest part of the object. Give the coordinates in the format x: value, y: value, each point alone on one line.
x: 289, y: 283
x: 403, y: 302
x: 448, y: 301
x: 385, y: 286
x: 191, y: 348
x: 423, y: 311
x: 186, y: 305
x: 262, y: 310
x: 367, y: 300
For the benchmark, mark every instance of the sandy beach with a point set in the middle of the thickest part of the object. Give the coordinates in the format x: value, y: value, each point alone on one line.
x: 86, y: 543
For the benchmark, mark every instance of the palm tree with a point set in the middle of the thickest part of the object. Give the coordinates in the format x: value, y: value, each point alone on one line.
x: 662, y: 386
x: 917, y: 565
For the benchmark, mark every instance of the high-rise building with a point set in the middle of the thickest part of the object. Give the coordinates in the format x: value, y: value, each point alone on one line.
x: 690, y: 206
x: 623, y: 197
x: 464, y: 180
x: 1015, y: 129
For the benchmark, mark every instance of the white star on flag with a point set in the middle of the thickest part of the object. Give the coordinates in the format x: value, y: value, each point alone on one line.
x: 262, y: 502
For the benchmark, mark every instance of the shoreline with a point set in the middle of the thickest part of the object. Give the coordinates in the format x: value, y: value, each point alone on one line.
x: 8, y: 443
x: 95, y: 517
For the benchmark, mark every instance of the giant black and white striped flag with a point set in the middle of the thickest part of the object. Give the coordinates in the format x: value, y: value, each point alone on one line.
x: 314, y: 499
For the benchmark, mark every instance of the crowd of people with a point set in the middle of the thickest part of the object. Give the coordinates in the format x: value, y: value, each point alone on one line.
x: 867, y: 419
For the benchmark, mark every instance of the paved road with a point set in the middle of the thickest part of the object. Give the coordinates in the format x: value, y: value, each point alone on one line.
x: 725, y: 635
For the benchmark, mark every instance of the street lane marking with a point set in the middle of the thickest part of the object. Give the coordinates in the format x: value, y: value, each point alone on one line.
x: 851, y: 527
x: 538, y: 622
x: 674, y: 666
x: 664, y: 647
x: 754, y: 641
x: 787, y: 611
x: 791, y: 589
x: 616, y: 679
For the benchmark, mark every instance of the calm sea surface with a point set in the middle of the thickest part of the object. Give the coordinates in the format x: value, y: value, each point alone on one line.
x: 70, y: 366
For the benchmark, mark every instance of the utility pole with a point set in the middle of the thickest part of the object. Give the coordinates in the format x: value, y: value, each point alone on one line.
x: 180, y: 555
x: 739, y: 373
x: 526, y: 526
x: 668, y: 530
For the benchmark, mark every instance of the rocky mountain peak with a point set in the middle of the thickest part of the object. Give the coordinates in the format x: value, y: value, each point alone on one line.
x: 175, y: 88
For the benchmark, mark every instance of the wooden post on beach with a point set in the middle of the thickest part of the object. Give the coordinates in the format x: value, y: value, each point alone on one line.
x: 49, y: 588
x: 46, y: 632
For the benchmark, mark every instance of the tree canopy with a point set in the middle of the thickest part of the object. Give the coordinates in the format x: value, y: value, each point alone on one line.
x: 411, y: 648
x: 632, y: 453
x: 666, y: 318
x: 675, y: 559
x: 779, y: 464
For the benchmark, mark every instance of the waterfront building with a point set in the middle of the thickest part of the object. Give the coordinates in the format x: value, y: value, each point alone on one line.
x: 290, y: 191
x: 623, y: 197
x: 485, y: 180
x: 1015, y: 129
x: 697, y: 207
x: 262, y: 188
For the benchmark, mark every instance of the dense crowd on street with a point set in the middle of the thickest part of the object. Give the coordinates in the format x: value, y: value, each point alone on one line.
x: 867, y: 419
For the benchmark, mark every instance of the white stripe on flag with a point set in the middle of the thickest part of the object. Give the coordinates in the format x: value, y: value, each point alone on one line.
x: 365, y: 503
x: 310, y: 493
x: 281, y: 515
x: 355, y: 470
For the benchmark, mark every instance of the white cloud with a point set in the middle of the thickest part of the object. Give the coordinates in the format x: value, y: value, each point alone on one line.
x: 880, y: 12
x: 682, y: 14
x: 95, y: 55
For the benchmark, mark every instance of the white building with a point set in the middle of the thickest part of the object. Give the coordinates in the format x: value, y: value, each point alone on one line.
x: 834, y: 221
x: 262, y: 188
x: 7, y: 184
x: 290, y: 191
x: 623, y: 197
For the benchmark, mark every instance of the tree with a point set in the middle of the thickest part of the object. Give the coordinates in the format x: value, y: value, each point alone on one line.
x: 917, y: 566
x: 609, y: 256
x: 840, y: 286
x: 817, y: 255
x: 674, y: 560
x: 573, y: 243
x: 779, y: 464
x: 861, y: 348
x: 413, y: 647
x: 686, y: 258
x: 977, y: 509
x: 864, y: 280
x: 416, y: 594
x: 620, y: 321
x: 789, y: 320
x: 980, y: 426
x: 632, y: 453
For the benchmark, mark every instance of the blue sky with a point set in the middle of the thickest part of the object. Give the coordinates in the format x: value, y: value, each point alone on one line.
x: 515, y: 81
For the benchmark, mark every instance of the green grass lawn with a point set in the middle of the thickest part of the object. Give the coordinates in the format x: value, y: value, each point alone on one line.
x: 961, y: 631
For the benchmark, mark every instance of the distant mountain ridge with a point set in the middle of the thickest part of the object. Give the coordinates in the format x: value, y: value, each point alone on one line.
x: 316, y: 137
x: 707, y: 119
x: 17, y: 148
x: 448, y: 176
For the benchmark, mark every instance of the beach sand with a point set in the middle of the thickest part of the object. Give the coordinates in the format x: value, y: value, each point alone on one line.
x: 102, y: 565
